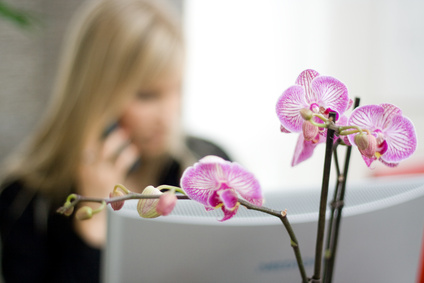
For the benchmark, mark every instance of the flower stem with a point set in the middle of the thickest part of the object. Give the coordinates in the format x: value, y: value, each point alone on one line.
x: 282, y: 215
x: 122, y: 187
x: 319, y: 125
x: 346, y: 133
x: 336, y: 212
x: 169, y: 187
x: 323, y: 202
x: 76, y: 199
x: 344, y: 128
x: 319, y: 116
x: 100, y: 208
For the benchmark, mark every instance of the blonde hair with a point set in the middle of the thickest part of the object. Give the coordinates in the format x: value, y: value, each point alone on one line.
x: 113, y: 46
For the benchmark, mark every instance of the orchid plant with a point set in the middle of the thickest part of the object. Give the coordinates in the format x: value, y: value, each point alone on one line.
x: 316, y: 107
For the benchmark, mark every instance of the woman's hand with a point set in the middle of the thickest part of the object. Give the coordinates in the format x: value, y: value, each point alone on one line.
x: 104, y: 164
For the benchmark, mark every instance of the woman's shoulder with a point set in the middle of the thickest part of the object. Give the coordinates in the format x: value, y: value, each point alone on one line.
x: 17, y: 203
x: 12, y: 193
x: 40, y: 241
x: 202, y: 147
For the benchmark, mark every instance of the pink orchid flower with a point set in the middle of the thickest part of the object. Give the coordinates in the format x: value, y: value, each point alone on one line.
x: 321, y: 95
x: 217, y: 183
x: 394, y: 134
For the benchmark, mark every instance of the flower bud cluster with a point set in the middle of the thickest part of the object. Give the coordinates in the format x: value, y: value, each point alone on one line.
x: 152, y: 208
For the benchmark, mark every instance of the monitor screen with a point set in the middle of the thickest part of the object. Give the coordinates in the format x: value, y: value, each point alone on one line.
x: 380, y: 238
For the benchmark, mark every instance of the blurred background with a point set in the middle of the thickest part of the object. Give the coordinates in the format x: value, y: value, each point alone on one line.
x: 242, y: 54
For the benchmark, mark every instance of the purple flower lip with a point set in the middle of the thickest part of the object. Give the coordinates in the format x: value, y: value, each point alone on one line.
x: 217, y: 183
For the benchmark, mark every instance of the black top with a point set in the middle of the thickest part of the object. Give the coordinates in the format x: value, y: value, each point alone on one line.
x: 39, y: 245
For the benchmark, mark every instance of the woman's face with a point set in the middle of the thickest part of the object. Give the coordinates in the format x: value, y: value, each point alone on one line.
x: 152, y: 116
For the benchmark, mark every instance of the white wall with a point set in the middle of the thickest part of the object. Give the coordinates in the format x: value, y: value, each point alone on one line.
x: 242, y: 54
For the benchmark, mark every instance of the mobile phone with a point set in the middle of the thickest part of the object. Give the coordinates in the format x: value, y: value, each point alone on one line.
x: 107, y: 131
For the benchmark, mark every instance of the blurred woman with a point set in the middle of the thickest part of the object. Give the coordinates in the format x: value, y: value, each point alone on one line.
x: 114, y: 118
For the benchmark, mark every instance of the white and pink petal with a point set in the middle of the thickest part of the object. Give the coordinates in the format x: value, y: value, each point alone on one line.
x: 330, y: 93
x: 390, y: 111
x: 202, y: 179
x: 305, y: 79
x: 401, y: 139
x: 304, y: 149
x: 365, y: 117
x: 288, y: 108
x: 368, y: 160
x: 245, y: 184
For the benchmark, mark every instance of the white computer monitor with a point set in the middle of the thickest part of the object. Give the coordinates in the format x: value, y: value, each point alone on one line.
x: 380, y: 239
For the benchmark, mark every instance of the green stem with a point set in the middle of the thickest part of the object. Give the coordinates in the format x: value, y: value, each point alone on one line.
x: 348, y: 127
x: 122, y: 187
x: 319, y: 125
x: 100, y: 208
x: 282, y: 215
x: 328, y: 249
x: 76, y: 199
x: 173, y: 188
x: 323, y: 203
x: 336, y: 214
x: 319, y: 116
x: 342, y: 130
x: 71, y: 198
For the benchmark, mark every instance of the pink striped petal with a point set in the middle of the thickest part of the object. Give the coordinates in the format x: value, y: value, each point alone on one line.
x: 392, y: 165
x: 401, y: 139
x: 305, y: 79
x: 390, y: 111
x: 330, y: 93
x: 202, y: 179
x: 350, y: 103
x: 365, y: 117
x: 304, y: 149
x: 284, y: 130
x: 368, y: 160
x: 288, y: 107
x: 245, y: 184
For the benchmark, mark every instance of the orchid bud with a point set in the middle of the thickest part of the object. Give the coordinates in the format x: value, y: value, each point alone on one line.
x: 306, y: 114
x: 146, y: 208
x: 166, y: 203
x: 117, y: 205
x: 361, y: 141
x: 68, y: 208
x: 84, y: 213
x: 310, y: 131
x: 371, y: 148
